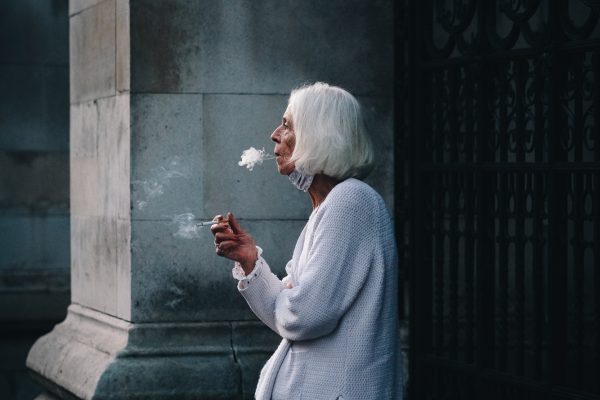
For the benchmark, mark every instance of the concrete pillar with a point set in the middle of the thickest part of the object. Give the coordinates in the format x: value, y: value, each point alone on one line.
x: 165, y: 95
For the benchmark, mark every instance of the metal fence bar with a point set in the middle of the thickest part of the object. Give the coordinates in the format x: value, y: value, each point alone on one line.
x: 470, y: 210
x: 557, y: 261
x: 484, y: 283
x: 502, y: 218
x: 576, y: 217
x: 439, y: 238
x: 539, y: 241
x: 453, y: 211
x: 521, y: 69
x: 596, y: 212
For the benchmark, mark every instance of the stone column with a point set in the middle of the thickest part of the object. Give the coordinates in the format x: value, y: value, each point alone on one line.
x: 165, y: 95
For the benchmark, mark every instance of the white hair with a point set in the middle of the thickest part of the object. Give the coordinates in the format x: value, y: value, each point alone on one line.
x: 331, y: 137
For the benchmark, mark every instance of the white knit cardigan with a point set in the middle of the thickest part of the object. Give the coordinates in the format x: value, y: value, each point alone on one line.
x: 339, y: 320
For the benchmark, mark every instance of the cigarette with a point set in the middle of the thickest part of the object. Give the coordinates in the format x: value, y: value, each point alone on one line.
x: 209, y: 223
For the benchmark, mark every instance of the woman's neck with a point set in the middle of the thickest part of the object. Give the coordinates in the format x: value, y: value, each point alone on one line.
x: 320, y: 188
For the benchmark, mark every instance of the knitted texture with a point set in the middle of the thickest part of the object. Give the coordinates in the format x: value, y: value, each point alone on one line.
x: 338, y: 321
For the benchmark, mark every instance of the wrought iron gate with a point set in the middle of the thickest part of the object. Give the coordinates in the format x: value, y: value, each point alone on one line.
x: 498, y: 189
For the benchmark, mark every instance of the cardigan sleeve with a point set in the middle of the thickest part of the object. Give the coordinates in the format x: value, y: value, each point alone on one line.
x: 333, y: 273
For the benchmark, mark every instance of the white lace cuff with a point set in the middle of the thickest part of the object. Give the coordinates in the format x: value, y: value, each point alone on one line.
x: 238, y: 272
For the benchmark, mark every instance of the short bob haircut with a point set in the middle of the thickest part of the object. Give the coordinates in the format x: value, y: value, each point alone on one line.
x: 331, y: 137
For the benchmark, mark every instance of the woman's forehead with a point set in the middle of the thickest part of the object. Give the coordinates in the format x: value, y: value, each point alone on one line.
x: 287, y: 114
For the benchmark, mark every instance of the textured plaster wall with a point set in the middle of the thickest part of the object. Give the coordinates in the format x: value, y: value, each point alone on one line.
x: 34, y: 181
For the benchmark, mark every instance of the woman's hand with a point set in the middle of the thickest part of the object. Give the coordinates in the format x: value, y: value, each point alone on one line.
x: 232, y: 242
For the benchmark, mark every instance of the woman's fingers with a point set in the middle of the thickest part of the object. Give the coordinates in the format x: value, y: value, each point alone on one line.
x: 235, y: 227
x: 225, y: 248
x: 219, y: 227
x: 222, y: 236
x: 231, y: 240
x: 228, y: 245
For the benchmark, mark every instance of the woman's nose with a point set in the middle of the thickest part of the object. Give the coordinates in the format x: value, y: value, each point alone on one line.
x: 275, y: 135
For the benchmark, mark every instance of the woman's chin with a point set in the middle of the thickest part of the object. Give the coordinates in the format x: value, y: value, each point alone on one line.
x: 284, y: 169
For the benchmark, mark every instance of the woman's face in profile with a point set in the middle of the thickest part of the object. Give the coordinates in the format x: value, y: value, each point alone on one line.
x: 285, y: 140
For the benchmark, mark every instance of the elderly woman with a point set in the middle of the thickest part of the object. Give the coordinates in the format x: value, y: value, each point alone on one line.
x: 336, y: 309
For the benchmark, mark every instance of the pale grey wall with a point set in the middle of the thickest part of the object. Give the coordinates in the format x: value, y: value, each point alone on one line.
x: 34, y: 181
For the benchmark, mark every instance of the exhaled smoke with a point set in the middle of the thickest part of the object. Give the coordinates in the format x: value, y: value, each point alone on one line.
x: 252, y: 157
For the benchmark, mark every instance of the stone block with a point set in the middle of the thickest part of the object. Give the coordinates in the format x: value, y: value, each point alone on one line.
x: 100, y: 277
x: 123, y: 46
x: 261, y: 47
x: 34, y: 33
x: 100, y: 157
x: 93, y: 52
x: 77, y: 6
x: 167, y: 156
x: 34, y: 241
x: 34, y: 114
x: 233, y: 123
x: 176, y: 279
x: 94, y: 355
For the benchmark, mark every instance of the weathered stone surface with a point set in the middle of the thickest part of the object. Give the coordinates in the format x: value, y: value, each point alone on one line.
x: 123, y: 55
x: 167, y: 155
x: 233, y: 123
x: 261, y: 47
x: 77, y: 6
x: 94, y: 355
x: 100, y: 158
x: 100, y: 264
x: 100, y: 177
x: 93, y: 52
x: 176, y: 279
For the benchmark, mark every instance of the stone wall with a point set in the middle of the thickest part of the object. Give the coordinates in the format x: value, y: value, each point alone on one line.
x: 34, y: 182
